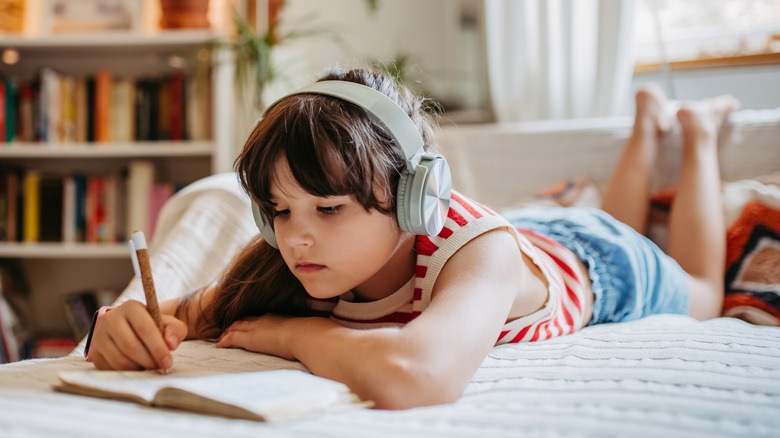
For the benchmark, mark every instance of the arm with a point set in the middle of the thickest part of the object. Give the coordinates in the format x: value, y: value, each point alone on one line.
x: 428, y: 361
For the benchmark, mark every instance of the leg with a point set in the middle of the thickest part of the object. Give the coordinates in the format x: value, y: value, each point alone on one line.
x: 627, y: 195
x: 697, y: 234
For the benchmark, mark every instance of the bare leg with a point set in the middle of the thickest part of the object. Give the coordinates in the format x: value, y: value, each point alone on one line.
x: 627, y: 196
x: 697, y: 233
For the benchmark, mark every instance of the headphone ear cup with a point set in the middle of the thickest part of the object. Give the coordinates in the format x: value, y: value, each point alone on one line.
x: 403, y: 201
x: 264, y: 225
x: 424, y: 197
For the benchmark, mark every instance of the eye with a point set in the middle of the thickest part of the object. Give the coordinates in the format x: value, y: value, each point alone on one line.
x: 281, y: 213
x: 330, y: 210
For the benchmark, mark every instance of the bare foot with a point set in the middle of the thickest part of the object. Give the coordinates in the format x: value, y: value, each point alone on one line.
x: 701, y: 120
x: 654, y: 112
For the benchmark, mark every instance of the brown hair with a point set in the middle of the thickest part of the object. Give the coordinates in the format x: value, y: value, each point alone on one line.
x: 333, y: 148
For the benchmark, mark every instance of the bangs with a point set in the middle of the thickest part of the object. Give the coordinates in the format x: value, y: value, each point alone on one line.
x: 332, y: 147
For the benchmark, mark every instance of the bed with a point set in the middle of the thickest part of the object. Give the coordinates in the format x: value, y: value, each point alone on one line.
x: 666, y: 375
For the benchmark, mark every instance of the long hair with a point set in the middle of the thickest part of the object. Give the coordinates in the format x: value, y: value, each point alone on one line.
x: 333, y: 148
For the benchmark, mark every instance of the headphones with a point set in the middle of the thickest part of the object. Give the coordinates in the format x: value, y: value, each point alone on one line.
x: 424, y: 188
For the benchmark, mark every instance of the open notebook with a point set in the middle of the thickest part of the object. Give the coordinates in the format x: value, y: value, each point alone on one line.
x: 275, y: 395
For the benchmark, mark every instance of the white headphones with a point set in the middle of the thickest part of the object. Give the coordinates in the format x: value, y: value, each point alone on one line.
x: 423, y: 198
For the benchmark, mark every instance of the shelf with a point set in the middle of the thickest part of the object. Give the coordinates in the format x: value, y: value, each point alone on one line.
x: 112, y: 41
x: 106, y: 150
x: 56, y: 250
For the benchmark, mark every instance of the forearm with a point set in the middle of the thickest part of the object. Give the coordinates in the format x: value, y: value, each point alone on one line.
x: 382, y: 365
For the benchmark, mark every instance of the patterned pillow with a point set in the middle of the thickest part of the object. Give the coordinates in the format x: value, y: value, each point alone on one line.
x: 752, y: 278
x: 753, y: 265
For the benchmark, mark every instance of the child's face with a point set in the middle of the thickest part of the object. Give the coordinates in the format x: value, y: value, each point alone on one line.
x: 333, y: 245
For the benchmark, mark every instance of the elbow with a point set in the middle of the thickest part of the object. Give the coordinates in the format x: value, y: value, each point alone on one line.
x: 405, y: 383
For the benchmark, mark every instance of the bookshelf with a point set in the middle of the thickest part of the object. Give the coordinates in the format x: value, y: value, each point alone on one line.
x: 54, y: 269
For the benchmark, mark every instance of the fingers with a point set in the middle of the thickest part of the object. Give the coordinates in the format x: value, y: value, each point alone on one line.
x: 175, y: 331
x: 127, y: 338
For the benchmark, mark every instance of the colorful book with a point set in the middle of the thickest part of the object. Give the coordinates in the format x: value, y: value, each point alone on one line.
x: 10, y: 109
x: 3, y: 115
x: 158, y: 195
x: 50, y: 209
x: 198, y: 109
x: 140, y: 179
x: 176, y: 107
x: 102, y: 114
x: 68, y: 209
x: 26, y: 112
x: 31, y: 225
x: 80, y: 102
x: 14, y: 194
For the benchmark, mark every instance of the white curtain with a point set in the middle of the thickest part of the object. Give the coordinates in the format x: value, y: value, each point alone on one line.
x: 559, y: 59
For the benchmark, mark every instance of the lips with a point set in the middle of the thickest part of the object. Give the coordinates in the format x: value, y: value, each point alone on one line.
x: 308, y: 268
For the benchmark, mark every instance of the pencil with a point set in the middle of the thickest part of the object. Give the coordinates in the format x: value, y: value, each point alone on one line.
x: 145, y: 272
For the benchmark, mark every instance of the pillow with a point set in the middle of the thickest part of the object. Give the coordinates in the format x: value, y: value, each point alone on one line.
x: 753, y: 265
x: 752, y: 215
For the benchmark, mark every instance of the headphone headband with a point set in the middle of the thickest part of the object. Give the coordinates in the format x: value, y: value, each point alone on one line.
x: 380, y: 108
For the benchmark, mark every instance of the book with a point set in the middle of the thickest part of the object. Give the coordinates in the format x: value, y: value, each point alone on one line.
x: 50, y: 208
x: 102, y: 108
x: 13, y: 209
x: 159, y: 193
x: 79, y: 308
x: 3, y: 115
x: 31, y: 225
x: 275, y: 395
x: 140, y: 179
x: 10, y: 109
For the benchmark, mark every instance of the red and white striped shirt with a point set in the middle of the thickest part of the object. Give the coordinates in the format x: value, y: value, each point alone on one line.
x: 466, y: 219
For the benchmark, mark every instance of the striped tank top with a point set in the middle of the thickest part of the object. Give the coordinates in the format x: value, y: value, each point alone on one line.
x: 467, y: 219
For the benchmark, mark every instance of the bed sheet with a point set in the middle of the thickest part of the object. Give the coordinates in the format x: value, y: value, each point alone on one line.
x: 666, y: 375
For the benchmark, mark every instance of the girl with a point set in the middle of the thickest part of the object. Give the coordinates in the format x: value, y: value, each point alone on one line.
x: 403, y: 319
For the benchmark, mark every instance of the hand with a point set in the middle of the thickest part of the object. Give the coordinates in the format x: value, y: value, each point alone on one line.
x: 264, y: 334
x: 127, y: 338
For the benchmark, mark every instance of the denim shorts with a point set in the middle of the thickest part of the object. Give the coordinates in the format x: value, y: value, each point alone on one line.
x: 631, y: 276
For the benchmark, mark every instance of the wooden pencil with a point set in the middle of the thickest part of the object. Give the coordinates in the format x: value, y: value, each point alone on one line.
x: 139, y: 241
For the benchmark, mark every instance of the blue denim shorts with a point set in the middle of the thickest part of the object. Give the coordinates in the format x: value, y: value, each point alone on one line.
x: 631, y: 276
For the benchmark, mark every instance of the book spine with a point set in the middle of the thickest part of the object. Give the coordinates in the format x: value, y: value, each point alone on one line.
x: 158, y: 195
x: 102, y: 114
x: 91, y: 101
x: 176, y: 109
x: 51, y: 107
x: 68, y: 108
x: 69, y: 209
x: 50, y: 210
x: 14, y: 194
x: 31, y: 217
x: 26, y: 112
x: 10, y: 110
x: 80, y: 116
x: 140, y: 178
x: 80, y: 207
x: 164, y: 110
x: 3, y: 116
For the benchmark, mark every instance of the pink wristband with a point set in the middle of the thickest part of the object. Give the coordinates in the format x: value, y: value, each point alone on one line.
x: 95, y: 320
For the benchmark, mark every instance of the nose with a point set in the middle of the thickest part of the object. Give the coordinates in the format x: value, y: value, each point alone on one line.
x: 296, y: 232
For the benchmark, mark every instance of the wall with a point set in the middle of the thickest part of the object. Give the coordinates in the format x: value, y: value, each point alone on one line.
x: 441, y: 38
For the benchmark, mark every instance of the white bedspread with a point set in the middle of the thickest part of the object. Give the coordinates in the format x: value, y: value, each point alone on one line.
x: 662, y: 376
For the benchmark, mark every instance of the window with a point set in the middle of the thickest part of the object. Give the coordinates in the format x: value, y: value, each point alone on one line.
x: 706, y: 33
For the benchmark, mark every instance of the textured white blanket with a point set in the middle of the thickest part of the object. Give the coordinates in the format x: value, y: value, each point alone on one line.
x: 662, y: 376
